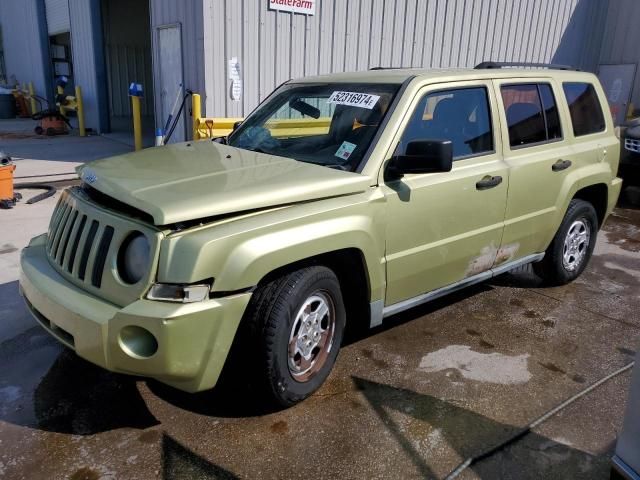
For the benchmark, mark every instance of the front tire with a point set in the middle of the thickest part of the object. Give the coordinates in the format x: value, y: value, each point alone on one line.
x: 294, y: 328
x: 571, y: 247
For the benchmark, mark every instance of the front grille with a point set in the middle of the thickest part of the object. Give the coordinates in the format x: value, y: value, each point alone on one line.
x: 78, y: 243
x: 83, y: 242
x: 632, y: 145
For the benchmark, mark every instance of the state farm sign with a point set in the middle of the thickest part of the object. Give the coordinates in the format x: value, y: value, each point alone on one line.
x: 308, y: 7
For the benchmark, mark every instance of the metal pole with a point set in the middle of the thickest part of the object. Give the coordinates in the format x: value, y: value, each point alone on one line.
x: 80, y: 111
x: 197, y: 113
x: 137, y: 122
x: 33, y: 100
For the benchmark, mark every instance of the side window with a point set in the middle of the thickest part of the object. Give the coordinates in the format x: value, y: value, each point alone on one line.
x: 532, y: 113
x: 460, y: 115
x: 554, y: 130
x: 584, y: 107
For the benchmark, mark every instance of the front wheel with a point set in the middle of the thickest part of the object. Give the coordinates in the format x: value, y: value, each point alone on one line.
x: 571, y: 247
x: 294, y: 326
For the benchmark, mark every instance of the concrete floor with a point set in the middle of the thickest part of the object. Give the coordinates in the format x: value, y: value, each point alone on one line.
x: 409, y: 400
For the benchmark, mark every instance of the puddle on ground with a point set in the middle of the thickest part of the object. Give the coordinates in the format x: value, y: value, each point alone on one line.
x: 482, y: 367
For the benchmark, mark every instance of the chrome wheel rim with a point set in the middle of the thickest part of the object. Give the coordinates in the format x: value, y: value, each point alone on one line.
x: 311, y: 336
x: 575, y: 245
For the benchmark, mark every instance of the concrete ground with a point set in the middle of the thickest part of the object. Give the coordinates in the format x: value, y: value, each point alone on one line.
x: 409, y: 400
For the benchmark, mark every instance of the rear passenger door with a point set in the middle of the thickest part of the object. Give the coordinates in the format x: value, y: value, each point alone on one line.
x: 539, y: 158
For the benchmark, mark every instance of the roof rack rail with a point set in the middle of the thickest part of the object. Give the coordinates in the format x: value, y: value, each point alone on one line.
x: 491, y: 64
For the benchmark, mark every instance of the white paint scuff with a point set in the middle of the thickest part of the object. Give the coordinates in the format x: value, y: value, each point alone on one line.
x: 483, y: 367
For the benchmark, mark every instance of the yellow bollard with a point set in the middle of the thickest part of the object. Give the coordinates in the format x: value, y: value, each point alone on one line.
x: 60, y: 91
x: 196, y: 113
x: 33, y: 100
x: 137, y: 122
x: 80, y: 111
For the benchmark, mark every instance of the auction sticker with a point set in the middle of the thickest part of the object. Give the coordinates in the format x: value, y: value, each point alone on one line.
x: 345, y: 150
x: 354, y: 99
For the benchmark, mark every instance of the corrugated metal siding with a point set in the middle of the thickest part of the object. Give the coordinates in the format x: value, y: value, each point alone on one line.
x: 359, y: 34
x: 621, y: 39
x: 57, y: 16
x: 25, y: 55
x: 189, y: 14
x: 88, y: 60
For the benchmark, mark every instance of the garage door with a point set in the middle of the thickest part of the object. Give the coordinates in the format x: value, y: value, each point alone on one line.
x: 57, y: 16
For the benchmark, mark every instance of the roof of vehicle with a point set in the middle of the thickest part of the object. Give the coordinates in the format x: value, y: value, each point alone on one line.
x: 399, y: 75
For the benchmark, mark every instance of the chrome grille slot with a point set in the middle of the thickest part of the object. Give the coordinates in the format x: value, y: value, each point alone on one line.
x: 88, y: 243
x: 632, y: 144
x: 101, y: 256
x: 76, y: 242
x: 84, y: 239
x: 57, y: 230
x: 66, y: 235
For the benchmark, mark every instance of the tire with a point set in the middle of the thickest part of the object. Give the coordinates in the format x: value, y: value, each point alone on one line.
x: 571, y: 247
x: 274, y: 319
x: 39, y: 130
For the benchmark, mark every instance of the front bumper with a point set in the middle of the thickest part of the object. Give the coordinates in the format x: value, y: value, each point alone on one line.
x: 193, y: 340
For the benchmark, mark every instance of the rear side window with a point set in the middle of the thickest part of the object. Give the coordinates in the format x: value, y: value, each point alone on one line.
x: 532, y: 113
x: 584, y: 107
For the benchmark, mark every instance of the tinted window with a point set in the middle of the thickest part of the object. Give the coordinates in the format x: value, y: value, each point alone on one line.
x: 460, y: 115
x: 554, y: 130
x: 523, y: 109
x: 584, y: 106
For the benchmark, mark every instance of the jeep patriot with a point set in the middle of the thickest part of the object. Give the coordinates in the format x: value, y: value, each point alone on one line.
x: 342, y: 198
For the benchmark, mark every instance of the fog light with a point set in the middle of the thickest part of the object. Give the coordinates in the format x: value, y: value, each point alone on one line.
x: 138, y: 342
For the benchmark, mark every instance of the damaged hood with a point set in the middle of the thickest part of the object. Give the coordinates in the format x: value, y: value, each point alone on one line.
x: 188, y: 181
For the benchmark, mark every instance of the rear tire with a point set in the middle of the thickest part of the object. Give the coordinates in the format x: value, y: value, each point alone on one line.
x: 292, y: 332
x: 571, y: 247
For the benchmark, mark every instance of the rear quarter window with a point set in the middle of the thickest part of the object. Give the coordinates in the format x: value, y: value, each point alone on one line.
x: 584, y: 107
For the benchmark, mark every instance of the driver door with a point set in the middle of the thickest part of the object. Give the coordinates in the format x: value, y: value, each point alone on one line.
x: 444, y: 227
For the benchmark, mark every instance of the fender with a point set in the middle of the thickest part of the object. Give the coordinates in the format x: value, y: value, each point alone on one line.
x: 238, y: 253
x: 586, y: 176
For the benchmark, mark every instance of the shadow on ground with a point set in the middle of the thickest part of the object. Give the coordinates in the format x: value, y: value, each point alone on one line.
x: 471, y: 434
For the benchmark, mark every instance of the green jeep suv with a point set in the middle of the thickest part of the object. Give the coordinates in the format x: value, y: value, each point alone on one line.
x: 340, y: 198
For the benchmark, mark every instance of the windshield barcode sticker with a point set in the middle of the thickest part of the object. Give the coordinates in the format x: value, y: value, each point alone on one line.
x: 354, y: 99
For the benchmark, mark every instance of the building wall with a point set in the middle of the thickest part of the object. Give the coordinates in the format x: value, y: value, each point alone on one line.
x: 621, y: 39
x: 26, y: 50
x: 273, y: 47
x: 88, y: 61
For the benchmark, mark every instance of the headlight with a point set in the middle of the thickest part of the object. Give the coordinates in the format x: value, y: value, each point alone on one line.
x: 168, y: 292
x: 134, y: 258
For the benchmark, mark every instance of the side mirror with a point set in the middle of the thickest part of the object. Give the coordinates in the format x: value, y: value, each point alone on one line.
x: 423, y: 156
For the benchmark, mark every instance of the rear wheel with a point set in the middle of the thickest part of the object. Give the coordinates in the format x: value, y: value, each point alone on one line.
x: 293, y: 331
x: 572, y: 246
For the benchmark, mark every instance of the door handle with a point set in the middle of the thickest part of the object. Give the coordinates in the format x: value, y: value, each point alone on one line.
x: 561, y: 165
x: 488, y: 182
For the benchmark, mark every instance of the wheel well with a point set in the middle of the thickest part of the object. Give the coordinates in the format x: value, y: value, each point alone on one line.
x: 349, y: 266
x: 597, y: 195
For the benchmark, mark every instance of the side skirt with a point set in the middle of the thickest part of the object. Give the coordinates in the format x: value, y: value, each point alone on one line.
x: 379, y: 311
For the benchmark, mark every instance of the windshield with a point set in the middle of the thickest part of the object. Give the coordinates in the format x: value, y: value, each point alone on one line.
x: 325, y: 124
